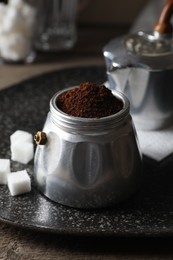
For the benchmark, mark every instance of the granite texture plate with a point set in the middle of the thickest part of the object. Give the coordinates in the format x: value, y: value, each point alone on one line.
x: 147, y: 213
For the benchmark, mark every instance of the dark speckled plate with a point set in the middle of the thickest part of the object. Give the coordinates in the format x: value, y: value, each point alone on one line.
x: 148, y: 213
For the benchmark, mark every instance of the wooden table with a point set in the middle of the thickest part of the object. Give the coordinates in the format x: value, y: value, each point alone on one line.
x: 17, y: 243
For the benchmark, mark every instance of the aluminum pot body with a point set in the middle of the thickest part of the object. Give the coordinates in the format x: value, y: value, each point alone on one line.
x: 88, y: 163
x: 147, y: 81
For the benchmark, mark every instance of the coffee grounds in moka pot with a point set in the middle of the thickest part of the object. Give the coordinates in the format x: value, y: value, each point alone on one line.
x: 89, y: 100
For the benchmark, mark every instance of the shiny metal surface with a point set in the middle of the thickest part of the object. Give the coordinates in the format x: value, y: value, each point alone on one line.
x: 146, y: 80
x: 88, y: 163
x: 149, y: 44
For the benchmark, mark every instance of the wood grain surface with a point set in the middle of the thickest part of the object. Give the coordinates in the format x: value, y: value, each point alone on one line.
x: 21, y: 244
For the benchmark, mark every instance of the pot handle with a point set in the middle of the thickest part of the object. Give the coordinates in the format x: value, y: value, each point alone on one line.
x: 164, y: 26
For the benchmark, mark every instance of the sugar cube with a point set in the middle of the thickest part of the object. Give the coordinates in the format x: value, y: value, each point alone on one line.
x: 22, y: 136
x: 4, y: 170
x: 22, y: 147
x: 22, y: 152
x: 19, y: 182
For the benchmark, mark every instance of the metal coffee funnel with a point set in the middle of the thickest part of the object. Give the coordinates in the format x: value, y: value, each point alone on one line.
x: 141, y: 66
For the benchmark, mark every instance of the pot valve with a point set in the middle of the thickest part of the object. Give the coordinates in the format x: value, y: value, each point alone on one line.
x: 40, y: 138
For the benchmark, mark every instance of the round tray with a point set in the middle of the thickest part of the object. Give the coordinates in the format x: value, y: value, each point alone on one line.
x: 25, y: 106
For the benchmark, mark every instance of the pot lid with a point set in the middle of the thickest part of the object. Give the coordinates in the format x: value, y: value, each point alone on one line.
x: 148, y: 44
x: 117, y: 55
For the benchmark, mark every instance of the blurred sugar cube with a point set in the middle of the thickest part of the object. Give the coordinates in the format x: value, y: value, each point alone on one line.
x: 19, y: 182
x: 22, y: 147
x: 4, y: 170
x: 17, y: 19
x: 16, y: 3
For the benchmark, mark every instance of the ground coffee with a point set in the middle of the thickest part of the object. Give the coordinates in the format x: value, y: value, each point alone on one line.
x: 89, y: 100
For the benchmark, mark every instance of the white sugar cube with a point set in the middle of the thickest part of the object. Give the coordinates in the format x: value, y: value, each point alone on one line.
x: 15, y: 3
x: 19, y: 182
x: 13, y: 21
x: 4, y: 170
x: 22, y: 147
x: 3, y: 10
x: 14, y: 47
x: 22, y: 136
x: 22, y: 152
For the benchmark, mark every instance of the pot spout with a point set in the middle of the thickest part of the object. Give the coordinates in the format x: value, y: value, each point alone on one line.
x: 118, y: 76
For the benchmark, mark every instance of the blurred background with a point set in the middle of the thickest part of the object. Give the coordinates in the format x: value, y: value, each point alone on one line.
x: 98, y: 22
x: 102, y: 20
x: 110, y: 12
